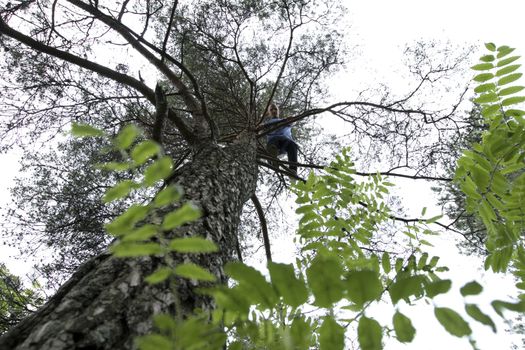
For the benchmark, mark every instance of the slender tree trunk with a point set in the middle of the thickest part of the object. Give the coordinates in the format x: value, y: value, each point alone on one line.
x: 106, y: 303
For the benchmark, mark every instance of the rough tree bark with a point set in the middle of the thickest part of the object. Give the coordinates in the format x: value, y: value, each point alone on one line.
x: 106, y: 303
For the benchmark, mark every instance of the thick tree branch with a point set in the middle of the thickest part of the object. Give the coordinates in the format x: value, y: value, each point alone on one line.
x: 264, y: 227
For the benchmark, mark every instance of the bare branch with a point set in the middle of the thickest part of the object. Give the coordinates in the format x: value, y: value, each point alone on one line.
x: 264, y: 227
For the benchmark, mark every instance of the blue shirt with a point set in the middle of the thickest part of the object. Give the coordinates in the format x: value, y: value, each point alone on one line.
x: 284, y: 131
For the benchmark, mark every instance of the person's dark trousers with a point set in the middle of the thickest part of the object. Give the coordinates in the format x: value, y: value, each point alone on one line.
x: 284, y: 144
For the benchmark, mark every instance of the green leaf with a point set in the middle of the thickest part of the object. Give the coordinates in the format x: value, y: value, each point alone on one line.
x: 144, y: 151
x: 154, y: 342
x: 165, y: 322
x: 160, y: 275
x: 124, y: 223
x: 487, y: 58
x: 324, y: 278
x: 158, y: 170
x: 511, y: 90
x: 195, y: 272
x: 187, y: 213
x: 363, y: 286
x: 193, y: 245
x: 131, y: 249
x: 513, y: 100
x: 482, y: 66
x: 85, y: 130
x: 509, y: 79
x: 487, y: 98
x: 499, y: 305
x: 369, y: 334
x: 485, y: 88
x: 483, y: 77
x: 140, y: 234
x: 471, y: 288
x: 168, y: 195
x: 490, y: 46
x: 405, y: 287
x: 126, y: 136
x: 292, y: 289
x: 438, y: 287
x: 385, y: 262
x: 507, y: 61
x: 331, y: 335
x: 114, y: 166
x: 504, y: 51
x: 253, y: 283
x: 474, y: 312
x: 452, y: 321
x: 120, y: 190
x: 405, y: 332
x: 507, y: 70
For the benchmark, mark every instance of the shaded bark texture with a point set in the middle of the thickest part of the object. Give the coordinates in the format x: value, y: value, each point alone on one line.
x: 107, y: 303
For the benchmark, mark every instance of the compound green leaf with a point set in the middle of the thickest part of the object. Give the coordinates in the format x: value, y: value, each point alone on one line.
x: 126, y: 136
x: 193, y: 245
x: 331, y: 335
x: 292, y: 289
x: 474, y: 312
x: 369, y: 334
x: 405, y: 332
x: 144, y: 151
x: 85, y: 130
x: 195, y: 272
x: 187, y: 213
x: 158, y: 170
x: 363, y: 286
x: 160, y: 275
x: 452, y: 321
x: 509, y: 79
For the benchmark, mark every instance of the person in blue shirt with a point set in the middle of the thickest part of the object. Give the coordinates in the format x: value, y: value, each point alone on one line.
x: 280, y: 141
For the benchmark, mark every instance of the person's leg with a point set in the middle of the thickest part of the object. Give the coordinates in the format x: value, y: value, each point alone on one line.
x: 291, y: 149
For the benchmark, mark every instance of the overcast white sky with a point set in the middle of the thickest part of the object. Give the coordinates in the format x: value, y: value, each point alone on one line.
x: 381, y: 29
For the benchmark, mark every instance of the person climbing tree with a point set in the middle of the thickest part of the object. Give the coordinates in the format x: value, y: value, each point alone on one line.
x: 280, y: 141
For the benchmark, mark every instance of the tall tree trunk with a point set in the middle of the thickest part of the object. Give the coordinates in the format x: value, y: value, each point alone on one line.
x: 106, y: 303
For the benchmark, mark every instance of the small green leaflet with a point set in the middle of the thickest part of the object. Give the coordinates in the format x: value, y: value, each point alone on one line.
x: 124, y: 223
x: 144, y: 151
x: 331, y: 335
x: 193, y: 245
x: 485, y: 88
x: 506, y: 61
x: 114, y: 166
x: 509, y: 79
x: 474, y: 312
x: 187, y: 213
x: 405, y: 332
x: 252, y: 282
x: 168, y: 195
x: 511, y: 90
x: 452, y: 321
x: 131, y: 249
x: 487, y: 98
x: 482, y: 66
x: 195, y: 272
x: 490, y: 47
x: 292, y: 289
x: 120, y: 190
x: 513, y: 100
x: 85, y: 130
x: 507, y: 70
x: 324, y: 278
x: 140, y: 234
x: 483, y: 77
x: 363, y: 286
x: 369, y: 334
x: 126, y: 136
x: 158, y: 170
x: 437, y: 287
x: 160, y: 275
x: 471, y: 288
x: 385, y: 262
x: 406, y: 287
x: 164, y: 322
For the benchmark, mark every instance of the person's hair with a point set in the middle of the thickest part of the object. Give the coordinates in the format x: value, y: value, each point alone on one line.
x: 273, y: 104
